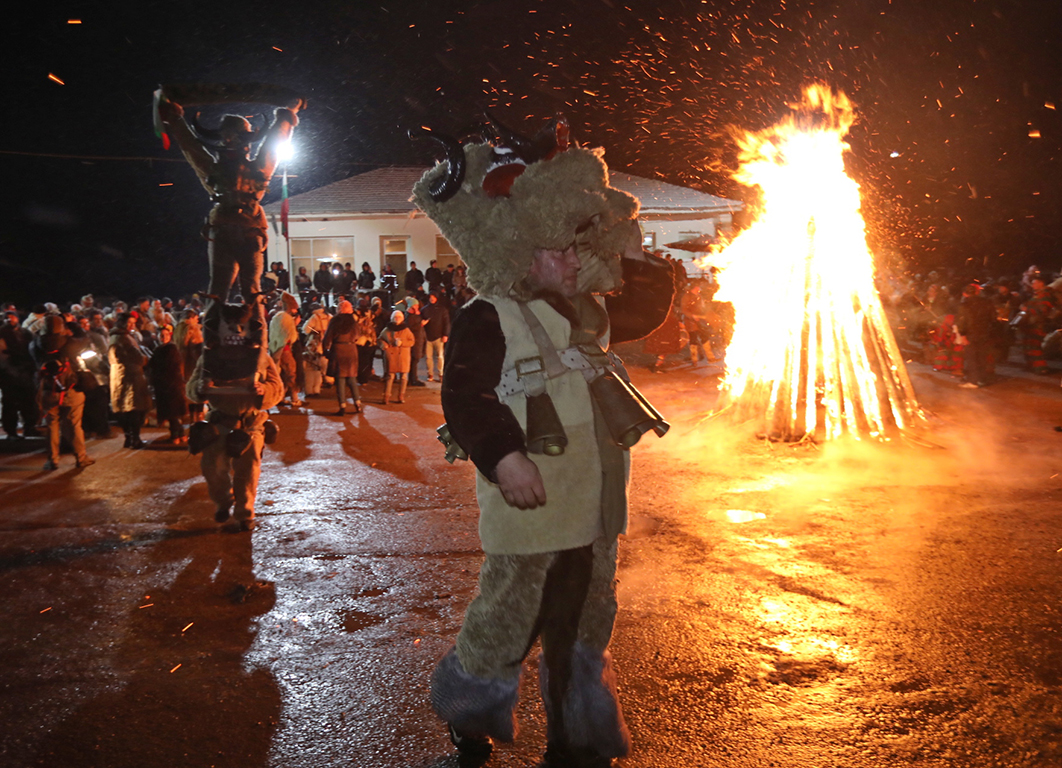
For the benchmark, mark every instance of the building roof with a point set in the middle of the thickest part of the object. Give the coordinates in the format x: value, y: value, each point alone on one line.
x: 661, y: 197
x: 387, y: 190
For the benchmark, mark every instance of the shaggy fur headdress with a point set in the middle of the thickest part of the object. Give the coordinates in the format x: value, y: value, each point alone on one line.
x: 510, y: 201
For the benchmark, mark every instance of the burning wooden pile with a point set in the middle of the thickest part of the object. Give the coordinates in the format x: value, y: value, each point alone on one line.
x: 812, y: 355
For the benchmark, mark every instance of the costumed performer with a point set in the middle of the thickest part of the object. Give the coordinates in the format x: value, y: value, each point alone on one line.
x: 546, y: 413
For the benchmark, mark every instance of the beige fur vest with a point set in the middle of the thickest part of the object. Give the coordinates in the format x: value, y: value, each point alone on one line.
x: 571, y: 516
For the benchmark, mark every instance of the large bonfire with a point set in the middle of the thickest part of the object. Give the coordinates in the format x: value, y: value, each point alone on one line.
x: 812, y: 355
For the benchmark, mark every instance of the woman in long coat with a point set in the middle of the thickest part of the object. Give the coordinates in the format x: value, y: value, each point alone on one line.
x: 341, y: 347
x: 130, y: 396
x: 166, y: 371
x: 397, y: 343
x: 188, y: 336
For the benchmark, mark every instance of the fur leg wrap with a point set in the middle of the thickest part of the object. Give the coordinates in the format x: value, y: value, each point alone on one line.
x: 593, y: 718
x: 473, y: 705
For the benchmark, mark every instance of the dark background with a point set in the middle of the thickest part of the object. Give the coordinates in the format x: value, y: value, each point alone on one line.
x: 954, y: 87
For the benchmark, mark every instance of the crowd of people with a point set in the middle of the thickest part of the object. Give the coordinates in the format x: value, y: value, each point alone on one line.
x: 966, y: 327
x: 68, y: 371
x: 81, y: 368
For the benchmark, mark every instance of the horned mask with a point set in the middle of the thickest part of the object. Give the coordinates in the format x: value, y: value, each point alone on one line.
x: 498, y: 201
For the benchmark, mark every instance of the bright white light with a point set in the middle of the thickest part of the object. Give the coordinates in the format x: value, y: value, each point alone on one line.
x: 894, y: 154
x: 88, y: 354
x: 285, y: 151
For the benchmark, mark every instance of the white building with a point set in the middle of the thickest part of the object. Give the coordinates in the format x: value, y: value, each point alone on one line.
x: 369, y: 218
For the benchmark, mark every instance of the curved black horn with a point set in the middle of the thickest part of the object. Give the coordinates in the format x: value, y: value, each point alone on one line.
x: 204, y: 134
x: 505, y: 137
x: 446, y: 186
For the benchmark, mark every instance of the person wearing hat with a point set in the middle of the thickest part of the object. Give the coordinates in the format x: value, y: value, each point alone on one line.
x: 531, y: 394
x: 60, y: 398
x: 341, y: 348
x: 396, y: 341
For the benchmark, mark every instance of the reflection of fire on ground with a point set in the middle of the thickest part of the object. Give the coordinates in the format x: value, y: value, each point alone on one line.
x: 812, y: 354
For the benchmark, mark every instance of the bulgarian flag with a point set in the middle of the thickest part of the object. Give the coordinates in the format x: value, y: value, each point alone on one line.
x: 284, y: 205
x: 160, y: 129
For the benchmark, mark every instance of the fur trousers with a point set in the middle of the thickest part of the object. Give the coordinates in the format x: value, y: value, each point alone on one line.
x: 568, y: 600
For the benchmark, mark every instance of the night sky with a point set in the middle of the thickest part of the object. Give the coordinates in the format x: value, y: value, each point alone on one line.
x: 963, y: 91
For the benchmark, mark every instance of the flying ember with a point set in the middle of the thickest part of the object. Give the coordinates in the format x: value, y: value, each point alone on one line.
x: 812, y: 355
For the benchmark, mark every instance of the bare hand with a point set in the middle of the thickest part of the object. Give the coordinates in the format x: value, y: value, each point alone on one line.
x: 520, y: 481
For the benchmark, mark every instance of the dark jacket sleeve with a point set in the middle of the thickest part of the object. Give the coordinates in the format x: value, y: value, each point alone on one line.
x: 645, y: 300
x: 482, y: 425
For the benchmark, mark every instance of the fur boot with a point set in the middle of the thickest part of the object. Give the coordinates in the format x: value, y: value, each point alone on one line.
x: 402, y: 388
x: 593, y: 720
x: 475, y: 706
x: 387, y: 390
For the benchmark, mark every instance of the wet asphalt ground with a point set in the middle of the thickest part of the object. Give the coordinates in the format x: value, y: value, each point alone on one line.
x: 863, y: 606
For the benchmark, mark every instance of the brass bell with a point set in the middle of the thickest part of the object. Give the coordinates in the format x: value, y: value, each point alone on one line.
x: 627, y: 414
x: 545, y: 433
x: 453, y: 450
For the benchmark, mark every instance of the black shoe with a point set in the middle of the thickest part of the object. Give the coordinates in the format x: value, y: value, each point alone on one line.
x: 50, y: 466
x: 557, y: 757
x: 247, y: 525
x: 417, y: 383
x: 222, y: 514
x: 471, y: 745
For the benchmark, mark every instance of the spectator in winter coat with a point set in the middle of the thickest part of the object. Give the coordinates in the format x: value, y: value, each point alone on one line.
x: 188, y: 336
x: 366, y: 278
x: 366, y: 340
x: 130, y: 396
x: 166, y: 373
x: 341, y: 348
x: 436, y: 323
x: 303, y: 284
x: 322, y: 281
x: 283, y: 334
x: 396, y: 341
x: 17, y: 370
x: 59, y: 393
x: 976, y: 321
x: 315, y: 363
x: 414, y: 280
x: 411, y: 308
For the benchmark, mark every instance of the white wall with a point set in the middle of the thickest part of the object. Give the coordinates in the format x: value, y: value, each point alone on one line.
x: 421, y: 231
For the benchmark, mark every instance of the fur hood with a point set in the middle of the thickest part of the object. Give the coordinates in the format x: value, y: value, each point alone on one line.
x: 551, y: 204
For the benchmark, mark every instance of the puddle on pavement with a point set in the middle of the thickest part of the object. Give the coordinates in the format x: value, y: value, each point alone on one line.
x: 353, y: 621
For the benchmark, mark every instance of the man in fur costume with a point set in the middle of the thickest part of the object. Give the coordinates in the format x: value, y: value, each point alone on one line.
x: 240, y: 383
x: 532, y: 395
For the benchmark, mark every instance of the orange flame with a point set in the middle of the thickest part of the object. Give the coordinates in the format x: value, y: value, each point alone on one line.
x: 812, y: 355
